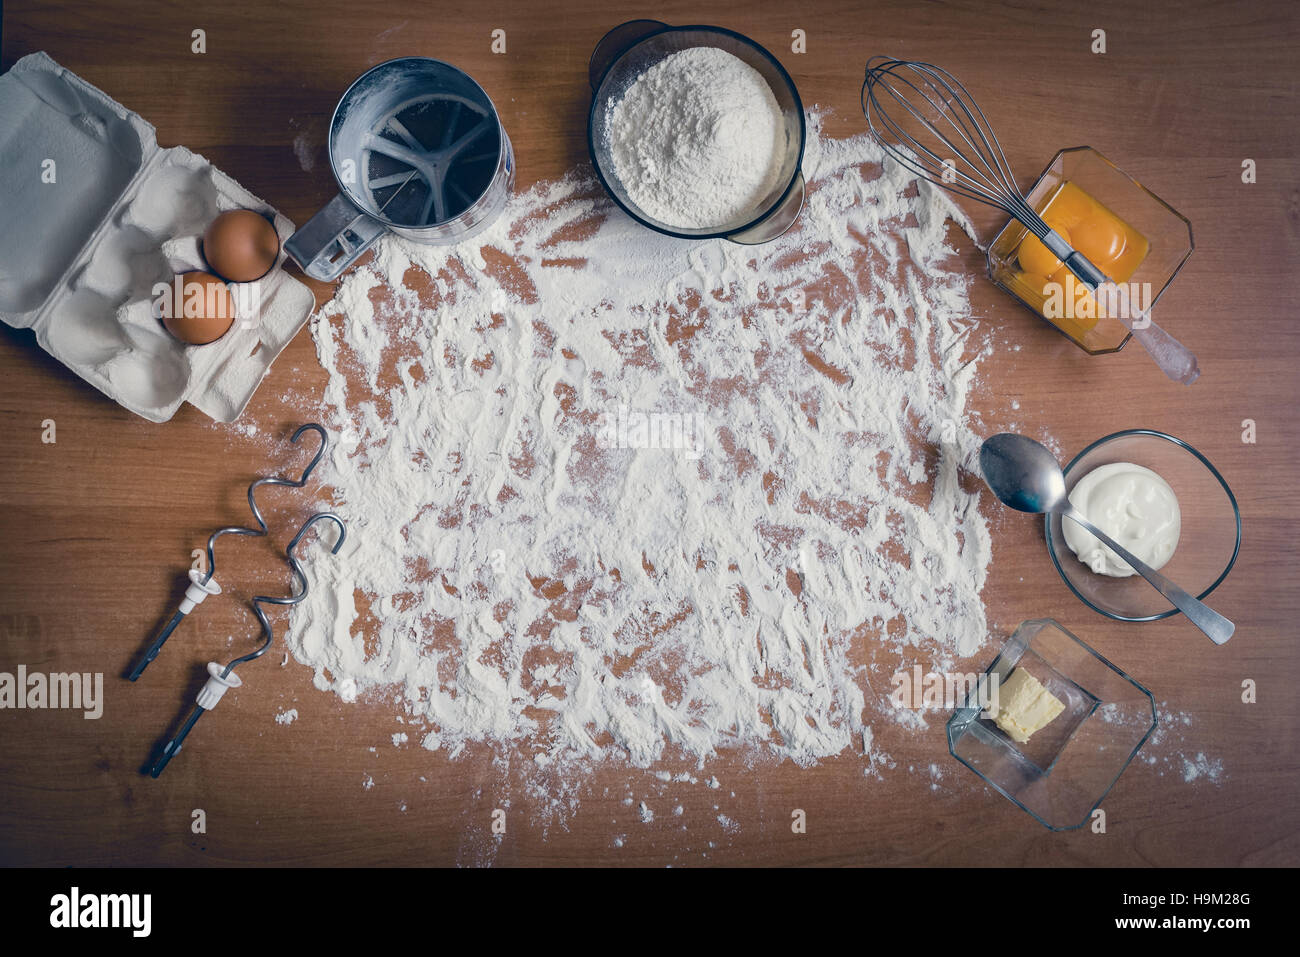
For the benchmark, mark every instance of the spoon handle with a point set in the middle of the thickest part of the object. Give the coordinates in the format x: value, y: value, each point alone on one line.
x: 1215, y: 626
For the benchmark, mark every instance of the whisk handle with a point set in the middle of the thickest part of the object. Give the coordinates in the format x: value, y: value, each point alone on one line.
x: 1174, y: 359
x: 1082, y: 267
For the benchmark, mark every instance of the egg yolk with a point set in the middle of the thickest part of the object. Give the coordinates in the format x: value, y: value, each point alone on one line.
x: 1100, y: 240
x: 1069, y: 207
x: 1036, y: 258
x: 1113, y: 246
x: 1036, y: 283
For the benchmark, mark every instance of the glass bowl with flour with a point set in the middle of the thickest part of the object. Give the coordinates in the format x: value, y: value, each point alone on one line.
x: 696, y: 132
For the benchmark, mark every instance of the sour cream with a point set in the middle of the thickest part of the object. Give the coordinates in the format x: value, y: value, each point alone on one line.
x: 1131, y: 504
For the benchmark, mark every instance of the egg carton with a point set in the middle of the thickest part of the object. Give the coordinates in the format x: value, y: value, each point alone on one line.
x: 94, y: 214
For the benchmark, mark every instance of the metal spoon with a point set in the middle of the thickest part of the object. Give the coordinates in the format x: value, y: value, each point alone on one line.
x: 1026, y: 476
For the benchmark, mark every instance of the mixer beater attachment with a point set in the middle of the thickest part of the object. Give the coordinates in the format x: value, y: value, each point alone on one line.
x: 222, y: 678
x: 204, y: 584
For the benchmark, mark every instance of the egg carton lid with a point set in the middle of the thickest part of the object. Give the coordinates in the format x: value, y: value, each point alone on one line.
x: 85, y: 179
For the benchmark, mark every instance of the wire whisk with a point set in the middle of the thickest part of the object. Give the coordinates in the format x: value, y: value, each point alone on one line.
x: 203, y: 584
x: 223, y: 678
x: 929, y: 123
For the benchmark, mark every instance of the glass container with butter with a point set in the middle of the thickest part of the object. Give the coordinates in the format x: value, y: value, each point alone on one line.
x: 1127, y: 231
x: 1059, y: 726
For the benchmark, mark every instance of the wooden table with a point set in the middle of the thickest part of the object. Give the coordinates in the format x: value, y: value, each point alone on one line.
x: 97, y: 524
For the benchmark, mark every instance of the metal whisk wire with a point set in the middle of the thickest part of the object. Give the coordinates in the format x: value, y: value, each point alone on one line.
x: 976, y: 165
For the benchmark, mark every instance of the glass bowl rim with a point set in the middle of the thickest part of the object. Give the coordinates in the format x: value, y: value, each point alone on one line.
x: 1186, y: 446
x: 708, y: 232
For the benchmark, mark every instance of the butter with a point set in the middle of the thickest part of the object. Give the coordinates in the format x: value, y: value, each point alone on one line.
x: 1024, y: 706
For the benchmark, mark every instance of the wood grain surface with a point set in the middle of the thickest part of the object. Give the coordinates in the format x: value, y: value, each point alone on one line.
x: 98, y: 526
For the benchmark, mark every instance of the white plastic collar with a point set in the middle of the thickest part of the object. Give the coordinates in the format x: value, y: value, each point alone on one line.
x: 217, y: 686
x: 198, y: 590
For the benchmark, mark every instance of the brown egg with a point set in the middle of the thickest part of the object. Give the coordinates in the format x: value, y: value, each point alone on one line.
x: 241, y: 245
x: 201, y: 308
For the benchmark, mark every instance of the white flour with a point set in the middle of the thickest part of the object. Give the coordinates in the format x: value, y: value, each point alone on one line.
x: 698, y: 139
x: 528, y: 576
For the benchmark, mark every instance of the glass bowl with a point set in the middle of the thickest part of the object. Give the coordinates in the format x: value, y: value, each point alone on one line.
x: 1207, y: 545
x: 1167, y: 231
x: 630, y: 49
x: 1062, y: 773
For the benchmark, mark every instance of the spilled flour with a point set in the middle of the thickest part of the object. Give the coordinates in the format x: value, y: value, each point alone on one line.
x: 612, y: 495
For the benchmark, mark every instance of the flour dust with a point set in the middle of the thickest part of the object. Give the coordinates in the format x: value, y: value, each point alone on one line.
x: 613, y: 496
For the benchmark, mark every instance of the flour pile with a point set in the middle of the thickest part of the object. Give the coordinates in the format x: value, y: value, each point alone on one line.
x: 615, y: 495
x: 698, y: 140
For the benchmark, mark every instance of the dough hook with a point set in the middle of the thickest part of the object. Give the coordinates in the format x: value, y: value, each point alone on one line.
x: 202, y: 585
x: 221, y: 679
